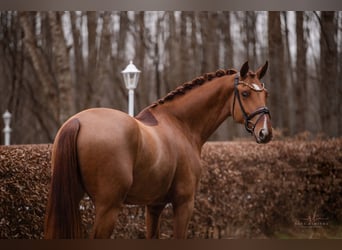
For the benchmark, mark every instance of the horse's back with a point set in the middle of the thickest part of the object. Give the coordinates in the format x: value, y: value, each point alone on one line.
x: 106, y: 128
x: 104, y: 119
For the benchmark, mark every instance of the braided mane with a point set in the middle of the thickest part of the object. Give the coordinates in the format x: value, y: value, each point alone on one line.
x: 198, y: 81
x: 146, y: 117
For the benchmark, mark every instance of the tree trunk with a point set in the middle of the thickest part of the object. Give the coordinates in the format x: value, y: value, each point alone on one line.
x: 339, y: 63
x: 172, y: 59
x: 290, y: 79
x: 184, y: 48
x: 250, y: 38
x: 194, y: 49
x: 103, y: 64
x: 79, y: 72
x: 63, y: 74
x: 204, y: 19
x: 227, y: 41
x: 92, y: 57
x: 329, y: 100
x: 40, y: 66
x: 156, y: 59
x: 278, y: 98
x: 143, y: 94
x: 122, y: 39
x: 300, y: 87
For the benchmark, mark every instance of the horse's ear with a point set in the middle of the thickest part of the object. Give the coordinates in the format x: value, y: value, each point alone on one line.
x: 262, y: 71
x: 244, y: 70
x: 231, y: 71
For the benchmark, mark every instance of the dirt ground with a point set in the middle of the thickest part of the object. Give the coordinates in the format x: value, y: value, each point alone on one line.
x: 284, y: 189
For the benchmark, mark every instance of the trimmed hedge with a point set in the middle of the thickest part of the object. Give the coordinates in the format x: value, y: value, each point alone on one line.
x: 246, y: 191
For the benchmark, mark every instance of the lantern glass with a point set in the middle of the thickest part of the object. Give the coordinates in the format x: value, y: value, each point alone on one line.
x: 131, y: 76
x: 7, y: 117
x: 131, y: 79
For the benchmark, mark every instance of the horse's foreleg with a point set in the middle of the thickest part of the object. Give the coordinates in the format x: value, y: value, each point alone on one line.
x: 153, y: 221
x: 182, y: 214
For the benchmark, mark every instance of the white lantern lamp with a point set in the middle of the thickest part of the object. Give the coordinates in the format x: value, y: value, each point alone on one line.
x: 131, y: 76
x: 7, y: 130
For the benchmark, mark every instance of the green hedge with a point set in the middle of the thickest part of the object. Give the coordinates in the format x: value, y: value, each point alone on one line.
x: 247, y: 191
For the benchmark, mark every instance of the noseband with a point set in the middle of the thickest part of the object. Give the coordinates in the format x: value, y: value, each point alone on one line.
x: 249, y: 125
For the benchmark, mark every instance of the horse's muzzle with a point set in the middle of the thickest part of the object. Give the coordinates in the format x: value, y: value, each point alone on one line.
x: 263, y: 130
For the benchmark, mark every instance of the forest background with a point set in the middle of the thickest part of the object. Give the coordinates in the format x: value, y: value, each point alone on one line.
x: 54, y: 64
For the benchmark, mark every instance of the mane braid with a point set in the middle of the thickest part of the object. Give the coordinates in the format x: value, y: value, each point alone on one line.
x: 187, y: 86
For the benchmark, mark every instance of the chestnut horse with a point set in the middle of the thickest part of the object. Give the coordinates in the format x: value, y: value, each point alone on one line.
x: 152, y: 159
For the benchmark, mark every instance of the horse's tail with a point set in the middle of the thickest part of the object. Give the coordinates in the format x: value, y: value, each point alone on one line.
x: 63, y: 219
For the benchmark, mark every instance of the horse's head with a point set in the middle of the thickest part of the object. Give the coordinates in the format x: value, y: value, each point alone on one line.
x: 249, y: 103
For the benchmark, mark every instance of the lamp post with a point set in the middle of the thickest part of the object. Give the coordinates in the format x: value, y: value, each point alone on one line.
x: 131, y: 76
x: 7, y: 130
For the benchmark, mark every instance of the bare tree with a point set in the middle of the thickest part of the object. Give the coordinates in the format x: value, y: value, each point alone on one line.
x: 194, y: 47
x: 227, y: 39
x: 290, y: 73
x: 63, y: 74
x: 329, y: 101
x: 119, y: 61
x: 40, y: 65
x: 278, y: 98
x: 300, y: 87
x: 249, y: 40
x: 141, y: 45
x: 91, y: 66
x: 171, y: 59
x: 184, y: 48
x: 78, y: 59
x: 339, y: 63
x: 206, y: 43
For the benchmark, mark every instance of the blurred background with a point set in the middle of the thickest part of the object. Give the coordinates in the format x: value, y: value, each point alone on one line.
x: 55, y: 64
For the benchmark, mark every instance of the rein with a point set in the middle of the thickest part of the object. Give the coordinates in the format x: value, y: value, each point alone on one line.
x: 249, y: 125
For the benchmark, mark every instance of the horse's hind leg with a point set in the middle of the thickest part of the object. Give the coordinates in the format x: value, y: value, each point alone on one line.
x: 108, y: 200
x: 108, y: 203
x: 105, y: 218
x: 153, y: 220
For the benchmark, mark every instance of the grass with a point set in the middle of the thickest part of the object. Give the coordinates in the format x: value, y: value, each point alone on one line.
x: 331, y: 232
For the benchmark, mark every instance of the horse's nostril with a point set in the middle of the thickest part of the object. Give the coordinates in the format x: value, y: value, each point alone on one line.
x: 262, y: 134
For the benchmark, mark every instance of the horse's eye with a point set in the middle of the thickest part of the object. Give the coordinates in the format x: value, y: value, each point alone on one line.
x: 245, y: 94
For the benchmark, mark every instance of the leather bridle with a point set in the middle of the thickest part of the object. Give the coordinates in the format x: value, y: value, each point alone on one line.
x: 249, y: 125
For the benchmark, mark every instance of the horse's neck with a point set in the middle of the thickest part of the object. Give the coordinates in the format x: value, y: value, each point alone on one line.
x: 203, y: 109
